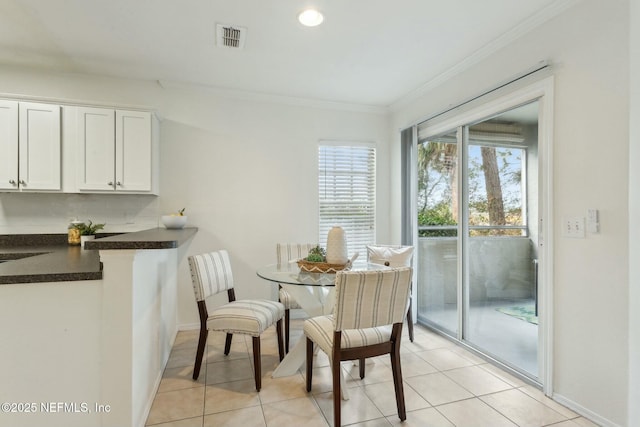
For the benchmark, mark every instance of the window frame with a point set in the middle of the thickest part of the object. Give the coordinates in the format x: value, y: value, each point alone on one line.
x: 359, y: 234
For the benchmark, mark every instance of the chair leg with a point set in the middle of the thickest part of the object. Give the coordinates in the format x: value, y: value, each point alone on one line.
x: 257, y: 365
x: 287, y: 319
x: 410, y: 321
x: 337, y: 395
x: 202, y: 341
x: 362, y: 364
x: 227, y: 344
x: 309, y: 363
x: 280, y: 345
x: 397, y: 381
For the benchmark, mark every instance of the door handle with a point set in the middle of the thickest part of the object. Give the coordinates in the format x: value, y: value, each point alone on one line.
x: 535, y: 283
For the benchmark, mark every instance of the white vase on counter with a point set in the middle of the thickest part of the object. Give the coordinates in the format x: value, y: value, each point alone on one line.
x: 84, y: 238
x: 337, y: 246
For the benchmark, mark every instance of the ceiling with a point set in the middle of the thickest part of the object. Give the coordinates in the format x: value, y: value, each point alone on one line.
x: 367, y: 52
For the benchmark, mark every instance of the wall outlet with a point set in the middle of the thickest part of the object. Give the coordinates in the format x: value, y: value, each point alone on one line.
x: 573, y: 227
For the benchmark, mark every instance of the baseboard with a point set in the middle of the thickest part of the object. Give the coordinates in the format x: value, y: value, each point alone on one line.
x: 189, y: 327
x: 581, y: 410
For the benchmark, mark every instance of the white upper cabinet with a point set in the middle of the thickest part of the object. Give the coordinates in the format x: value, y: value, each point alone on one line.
x: 30, y: 138
x: 39, y: 147
x: 115, y: 151
x: 133, y: 151
x: 8, y: 145
x: 95, y: 151
x: 77, y: 149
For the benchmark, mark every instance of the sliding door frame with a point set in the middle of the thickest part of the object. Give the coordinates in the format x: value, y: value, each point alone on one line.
x: 541, y: 91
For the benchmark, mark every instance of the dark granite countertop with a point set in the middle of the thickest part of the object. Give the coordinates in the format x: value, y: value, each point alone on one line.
x: 51, y: 263
x: 34, y: 258
x: 155, y: 238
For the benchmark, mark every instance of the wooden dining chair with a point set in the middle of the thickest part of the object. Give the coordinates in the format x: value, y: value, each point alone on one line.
x: 367, y: 321
x: 286, y: 252
x: 211, y: 274
x: 394, y: 256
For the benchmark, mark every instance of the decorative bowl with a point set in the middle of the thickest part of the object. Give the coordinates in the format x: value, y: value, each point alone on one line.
x: 174, y: 221
x: 322, y: 267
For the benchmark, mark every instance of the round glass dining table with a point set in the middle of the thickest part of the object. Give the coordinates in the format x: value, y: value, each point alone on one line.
x: 289, y: 273
x: 315, y: 292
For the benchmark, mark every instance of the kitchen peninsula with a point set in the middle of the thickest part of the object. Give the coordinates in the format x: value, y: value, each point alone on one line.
x: 86, y: 332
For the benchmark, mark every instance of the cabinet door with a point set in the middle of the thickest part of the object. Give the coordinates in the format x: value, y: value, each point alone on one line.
x: 133, y: 151
x: 8, y: 145
x: 39, y: 147
x: 95, y: 155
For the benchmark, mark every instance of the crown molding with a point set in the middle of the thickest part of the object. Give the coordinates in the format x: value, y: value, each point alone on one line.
x: 244, y: 95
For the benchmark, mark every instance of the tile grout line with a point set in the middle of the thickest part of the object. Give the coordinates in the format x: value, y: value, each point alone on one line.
x: 204, y: 395
x: 444, y: 372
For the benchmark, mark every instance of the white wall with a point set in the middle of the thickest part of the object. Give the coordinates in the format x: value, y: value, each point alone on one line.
x: 634, y: 212
x: 588, y: 45
x: 251, y: 179
x: 244, y: 169
x: 51, y: 339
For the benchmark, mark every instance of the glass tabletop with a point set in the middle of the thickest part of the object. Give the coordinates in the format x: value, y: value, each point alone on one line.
x: 290, y: 274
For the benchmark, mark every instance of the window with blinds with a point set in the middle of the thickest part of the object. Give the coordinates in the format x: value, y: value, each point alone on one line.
x: 347, y: 193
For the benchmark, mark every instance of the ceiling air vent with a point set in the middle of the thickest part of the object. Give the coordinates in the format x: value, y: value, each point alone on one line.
x: 230, y: 36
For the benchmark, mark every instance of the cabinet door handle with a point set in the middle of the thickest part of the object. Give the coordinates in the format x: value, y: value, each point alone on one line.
x: 23, y: 182
x: 119, y: 184
x: 12, y: 181
x: 110, y: 183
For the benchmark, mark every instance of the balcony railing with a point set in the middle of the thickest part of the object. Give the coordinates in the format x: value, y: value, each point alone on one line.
x: 498, y: 267
x: 480, y: 230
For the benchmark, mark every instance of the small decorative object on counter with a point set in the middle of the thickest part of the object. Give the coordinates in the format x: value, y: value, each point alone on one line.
x: 88, y: 228
x: 337, y: 246
x: 316, y: 262
x: 85, y: 238
x: 73, y: 233
x: 175, y: 220
x: 87, y: 231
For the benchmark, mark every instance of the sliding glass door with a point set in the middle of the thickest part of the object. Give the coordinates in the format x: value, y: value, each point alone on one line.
x: 438, y: 214
x: 501, y: 240
x: 477, y: 212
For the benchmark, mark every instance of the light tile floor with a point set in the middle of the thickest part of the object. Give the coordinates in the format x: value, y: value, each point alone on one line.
x: 444, y: 384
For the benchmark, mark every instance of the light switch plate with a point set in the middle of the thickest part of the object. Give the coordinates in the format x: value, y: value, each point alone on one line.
x: 573, y: 227
x: 593, y: 221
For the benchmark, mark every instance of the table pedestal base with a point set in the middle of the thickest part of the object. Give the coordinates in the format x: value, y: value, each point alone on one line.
x: 316, y: 301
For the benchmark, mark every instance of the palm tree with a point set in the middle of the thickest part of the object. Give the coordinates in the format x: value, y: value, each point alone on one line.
x: 441, y: 157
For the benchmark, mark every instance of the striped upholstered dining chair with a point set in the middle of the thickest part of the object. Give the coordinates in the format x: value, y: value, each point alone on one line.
x: 211, y: 274
x: 394, y: 256
x: 286, y: 252
x: 366, y: 322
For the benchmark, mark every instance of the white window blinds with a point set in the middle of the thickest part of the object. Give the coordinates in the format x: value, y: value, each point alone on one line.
x: 347, y: 193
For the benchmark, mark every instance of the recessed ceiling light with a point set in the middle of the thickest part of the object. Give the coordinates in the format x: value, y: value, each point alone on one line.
x: 310, y: 18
